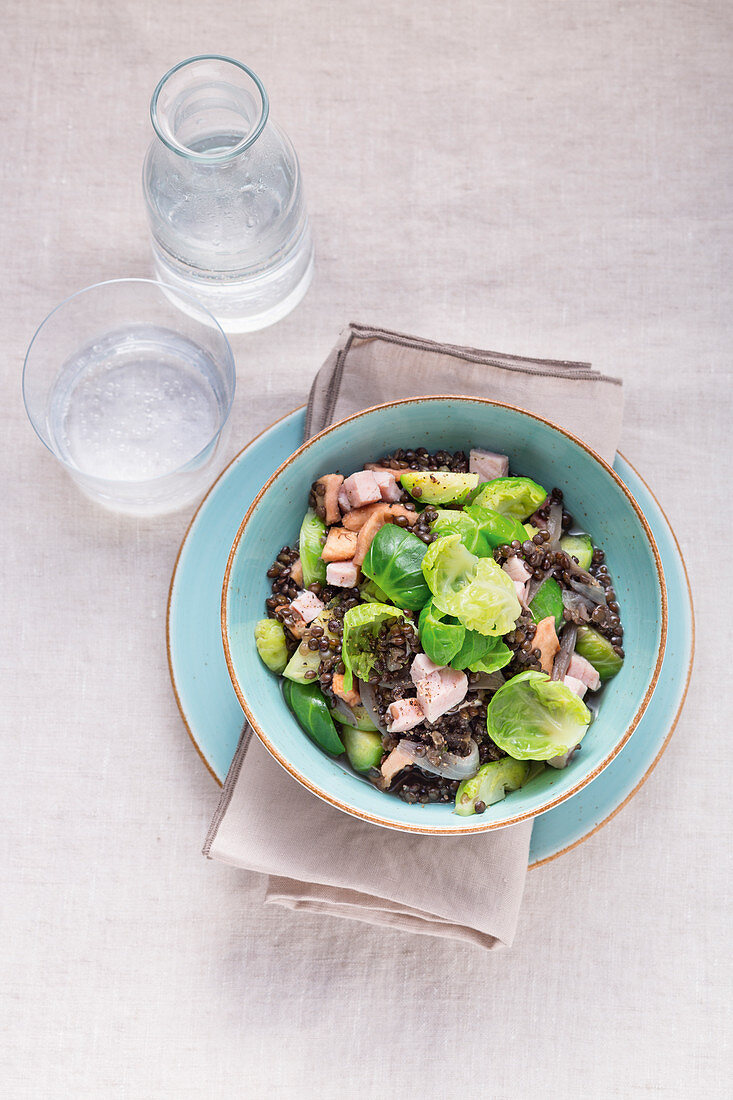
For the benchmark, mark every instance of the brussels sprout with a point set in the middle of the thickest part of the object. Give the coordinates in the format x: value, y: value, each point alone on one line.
x: 361, y: 624
x: 309, y: 706
x: 364, y: 749
x: 394, y: 563
x: 438, y: 487
x: 534, y: 718
x: 271, y: 644
x: 579, y: 547
x: 598, y: 651
x: 440, y: 639
x: 452, y: 522
x: 476, y: 591
x: 512, y: 496
x: 300, y: 663
x: 481, y: 654
x: 312, y: 531
x: 494, y: 528
x: 547, y: 601
x: 490, y: 784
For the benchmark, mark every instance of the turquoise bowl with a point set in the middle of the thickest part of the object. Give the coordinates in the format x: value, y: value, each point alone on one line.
x: 598, y: 500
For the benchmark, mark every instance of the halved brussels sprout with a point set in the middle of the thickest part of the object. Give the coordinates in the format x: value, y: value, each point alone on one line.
x: 312, y: 531
x: 476, y: 590
x: 512, y: 496
x: 271, y: 644
x: 490, y: 784
x: 599, y: 651
x: 361, y: 623
x: 438, y: 487
x: 534, y: 718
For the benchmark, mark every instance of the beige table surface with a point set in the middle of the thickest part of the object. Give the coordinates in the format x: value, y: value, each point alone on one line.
x: 547, y: 178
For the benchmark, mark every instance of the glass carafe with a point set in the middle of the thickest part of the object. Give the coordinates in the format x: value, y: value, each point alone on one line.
x: 224, y: 196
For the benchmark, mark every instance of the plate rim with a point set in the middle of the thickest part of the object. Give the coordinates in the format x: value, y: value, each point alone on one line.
x: 378, y: 819
x: 537, y: 863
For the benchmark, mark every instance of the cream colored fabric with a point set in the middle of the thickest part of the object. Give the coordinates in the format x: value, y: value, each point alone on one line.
x: 546, y: 177
x: 320, y: 859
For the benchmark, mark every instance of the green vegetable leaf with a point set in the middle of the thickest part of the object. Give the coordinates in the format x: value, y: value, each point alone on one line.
x: 452, y: 522
x: 547, y: 601
x: 361, y: 624
x: 372, y: 593
x: 534, y: 718
x: 475, y: 590
x: 512, y: 496
x: 480, y: 653
x: 394, y: 563
x: 440, y: 639
x: 309, y: 706
x: 312, y: 531
x: 494, y: 529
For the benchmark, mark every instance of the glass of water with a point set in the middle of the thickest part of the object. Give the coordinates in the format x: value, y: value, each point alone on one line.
x: 224, y: 196
x: 131, y: 394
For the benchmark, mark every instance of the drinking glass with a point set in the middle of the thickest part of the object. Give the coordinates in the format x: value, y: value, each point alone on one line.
x: 131, y: 393
x: 224, y: 197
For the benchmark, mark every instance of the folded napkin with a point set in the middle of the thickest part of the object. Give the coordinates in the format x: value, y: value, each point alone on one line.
x: 317, y: 858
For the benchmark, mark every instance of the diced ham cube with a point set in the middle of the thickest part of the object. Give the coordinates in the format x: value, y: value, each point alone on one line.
x: 395, y: 762
x: 487, y: 464
x: 351, y: 698
x: 362, y: 488
x: 343, y: 501
x: 545, y: 639
x: 307, y: 605
x: 356, y: 519
x: 342, y: 574
x: 517, y: 570
x: 388, y: 486
x: 575, y: 685
x: 296, y: 572
x: 422, y: 666
x: 440, y: 691
x: 403, y: 715
x: 583, y: 670
x: 340, y: 545
x: 326, y: 491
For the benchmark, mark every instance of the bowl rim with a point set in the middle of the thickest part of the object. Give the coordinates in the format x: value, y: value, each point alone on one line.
x: 417, y: 828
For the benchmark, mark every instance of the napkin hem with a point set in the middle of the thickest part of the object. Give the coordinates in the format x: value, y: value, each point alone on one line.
x: 228, y: 789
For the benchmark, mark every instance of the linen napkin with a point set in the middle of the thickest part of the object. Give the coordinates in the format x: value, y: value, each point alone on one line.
x: 315, y: 857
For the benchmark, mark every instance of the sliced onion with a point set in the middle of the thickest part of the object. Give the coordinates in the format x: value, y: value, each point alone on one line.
x: 450, y: 766
x: 568, y: 637
x: 596, y: 593
x: 342, y: 708
x: 577, y: 604
x: 369, y: 699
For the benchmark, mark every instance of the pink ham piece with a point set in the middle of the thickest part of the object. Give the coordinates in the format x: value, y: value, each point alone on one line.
x: 307, y: 605
x: 326, y: 490
x: 575, y: 685
x: 395, y: 762
x: 343, y: 501
x: 487, y: 465
x: 362, y: 488
x: 440, y: 691
x: 342, y: 574
x: 403, y: 715
x: 422, y: 666
x: 388, y: 487
x: 516, y: 569
x: 583, y: 670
